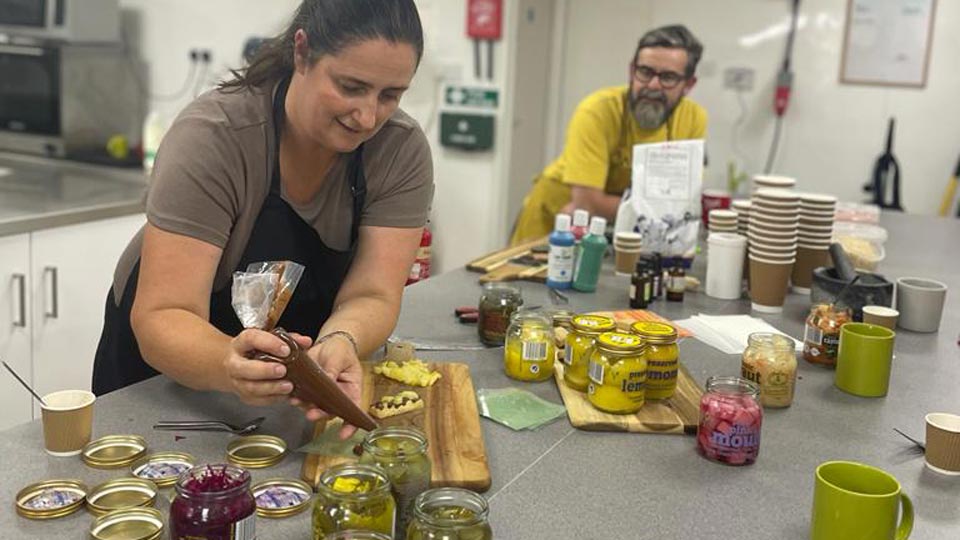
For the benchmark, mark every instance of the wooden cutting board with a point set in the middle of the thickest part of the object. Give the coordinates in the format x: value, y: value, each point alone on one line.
x: 677, y: 415
x: 449, y: 419
x: 499, y: 265
x: 625, y: 318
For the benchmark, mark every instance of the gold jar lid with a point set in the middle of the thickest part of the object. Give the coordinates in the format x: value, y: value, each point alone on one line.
x: 256, y: 451
x: 281, y: 497
x: 51, y: 499
x: 162, y: 468
x: 114, y: 451
x: 655, y: 333
x: 128, y: 524
x: 593, y: 324
x: 121, y: 493
x: 620, y: 343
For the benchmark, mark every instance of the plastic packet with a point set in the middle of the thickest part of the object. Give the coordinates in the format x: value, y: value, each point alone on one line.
x: 261, y: 294
x: 517, y: 409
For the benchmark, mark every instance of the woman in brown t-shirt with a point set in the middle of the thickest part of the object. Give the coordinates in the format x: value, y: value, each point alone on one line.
x: 303, y: 156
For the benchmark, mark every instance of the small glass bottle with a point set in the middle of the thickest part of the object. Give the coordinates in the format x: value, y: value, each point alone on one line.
x: 353, y: 497
x: 530, y: 349
x: 579, y: 348
x: 215, y: 502
x: 649, y: 287
x: 402, y: 453
x: 730, y: 421
x: 450, y: 514
x: 497, y: 303
x: 770, y: 361
x: 639, y: 288
x: 618, y: 373
x: 677, y: 284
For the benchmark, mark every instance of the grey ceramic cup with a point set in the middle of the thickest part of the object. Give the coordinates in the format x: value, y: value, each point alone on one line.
x: 920, y: 302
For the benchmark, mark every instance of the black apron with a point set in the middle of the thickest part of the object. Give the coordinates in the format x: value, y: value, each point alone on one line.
x: 279, y: 233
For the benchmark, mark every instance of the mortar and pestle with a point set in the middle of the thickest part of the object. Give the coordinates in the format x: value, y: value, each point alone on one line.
x: 829, y: 283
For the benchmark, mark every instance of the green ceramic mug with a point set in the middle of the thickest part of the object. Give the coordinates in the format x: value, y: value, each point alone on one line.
x: 863, y: 360
x: 853, y: 501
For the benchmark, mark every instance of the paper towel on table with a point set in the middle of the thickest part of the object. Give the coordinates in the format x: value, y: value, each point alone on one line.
x: 729, y: 333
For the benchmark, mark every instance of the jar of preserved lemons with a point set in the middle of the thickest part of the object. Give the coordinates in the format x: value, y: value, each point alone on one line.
x: 530, y: 351
x: 450, y: 514
x: 353, y: 497
x: 402, y: 453
x: 618, y: 373
x: 579, y: 346
x: 663, y: 357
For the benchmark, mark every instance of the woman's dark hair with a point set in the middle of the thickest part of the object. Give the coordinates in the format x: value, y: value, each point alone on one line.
x: 331, y: 26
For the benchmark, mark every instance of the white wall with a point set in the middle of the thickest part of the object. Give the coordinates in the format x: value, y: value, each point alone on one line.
x: 464, y: 219
x: 833, y: 133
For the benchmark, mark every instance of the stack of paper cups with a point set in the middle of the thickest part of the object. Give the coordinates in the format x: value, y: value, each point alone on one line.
x: 626, y: 251
x: 772, y: 246
x: 813, y: 238
x: 765, y: 181
x: 722, y: 221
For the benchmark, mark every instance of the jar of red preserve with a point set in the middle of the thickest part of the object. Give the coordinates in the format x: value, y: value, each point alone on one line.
x: 213, y: 502
x: 730, y: 420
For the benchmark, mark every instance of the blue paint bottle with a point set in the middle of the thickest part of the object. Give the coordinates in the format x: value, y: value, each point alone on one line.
x: 560, y: 260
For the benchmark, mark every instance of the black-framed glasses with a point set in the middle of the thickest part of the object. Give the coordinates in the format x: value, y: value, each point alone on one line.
x: 668, y: 79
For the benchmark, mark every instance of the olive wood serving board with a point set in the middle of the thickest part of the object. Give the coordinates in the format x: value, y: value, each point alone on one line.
x: 449, y: 419
x: 676, y: 415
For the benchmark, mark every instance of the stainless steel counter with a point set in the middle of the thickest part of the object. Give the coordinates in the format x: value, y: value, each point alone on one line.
x: 37, y: 193
x: 560, y: 483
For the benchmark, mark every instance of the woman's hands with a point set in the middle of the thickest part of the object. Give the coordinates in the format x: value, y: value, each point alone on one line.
x: 257, y: 382
x: 338, y: 358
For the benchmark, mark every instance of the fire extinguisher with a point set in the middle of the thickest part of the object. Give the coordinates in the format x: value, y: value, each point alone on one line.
x: 421, y: 265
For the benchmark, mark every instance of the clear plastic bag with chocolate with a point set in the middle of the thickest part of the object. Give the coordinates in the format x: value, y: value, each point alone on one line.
x: 261, y: 294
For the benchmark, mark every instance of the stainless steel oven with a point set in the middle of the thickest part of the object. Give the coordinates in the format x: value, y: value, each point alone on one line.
x: 61, y: 99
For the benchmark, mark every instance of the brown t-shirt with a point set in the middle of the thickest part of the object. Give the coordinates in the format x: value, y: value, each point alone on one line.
x: 213, y: 170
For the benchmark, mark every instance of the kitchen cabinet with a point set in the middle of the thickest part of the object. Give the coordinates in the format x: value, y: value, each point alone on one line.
x: 53, y: 328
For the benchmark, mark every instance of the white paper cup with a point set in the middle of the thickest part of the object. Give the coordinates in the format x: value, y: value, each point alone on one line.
x: 725, y: 256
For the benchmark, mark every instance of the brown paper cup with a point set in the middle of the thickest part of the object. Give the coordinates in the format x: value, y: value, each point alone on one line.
x: 807, y: 260
x: 67, y: 421
x: 625, y: 261
x: 943, y: 443
x: 881, y: 316
x: 768, y: 282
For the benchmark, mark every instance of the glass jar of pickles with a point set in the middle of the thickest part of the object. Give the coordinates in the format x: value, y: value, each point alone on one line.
x: 356, y: 535
x: 450, y: 514
x: 730, y: 421
x: 618, y: 373
x: 213, y: 502
x: 579, y: 347
x: 498, y: 302
x: 402, y: 453
x: 353, y: 497
x: 663, y: 357
x: 770, y: 361
x: 821, y: 335
x: 530, y: 351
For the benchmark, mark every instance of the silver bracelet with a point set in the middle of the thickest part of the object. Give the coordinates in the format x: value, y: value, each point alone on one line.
x: 342, y: 333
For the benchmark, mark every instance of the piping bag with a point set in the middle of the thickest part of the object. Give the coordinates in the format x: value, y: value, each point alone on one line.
x: 259, y: 297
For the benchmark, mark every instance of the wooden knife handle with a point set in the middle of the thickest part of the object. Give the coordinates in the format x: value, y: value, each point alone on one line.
x: 312, y: 384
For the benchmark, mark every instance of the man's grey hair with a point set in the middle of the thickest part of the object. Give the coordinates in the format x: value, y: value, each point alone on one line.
x: 675, y: 36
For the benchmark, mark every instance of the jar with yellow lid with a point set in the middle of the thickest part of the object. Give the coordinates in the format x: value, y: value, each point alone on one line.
x: 353, y: 497
x: 579, y: 347
x: 530, y: 350
x: 663, y: 357
x: 618, y: 373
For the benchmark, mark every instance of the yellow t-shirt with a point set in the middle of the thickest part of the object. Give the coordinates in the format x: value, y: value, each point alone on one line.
x: 598, y: 153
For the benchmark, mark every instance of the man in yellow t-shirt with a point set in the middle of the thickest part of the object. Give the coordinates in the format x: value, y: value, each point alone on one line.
x: 594, y: 168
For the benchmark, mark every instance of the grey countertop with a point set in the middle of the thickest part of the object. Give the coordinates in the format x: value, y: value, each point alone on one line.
x: 558, y: 482
x: 37, y: 193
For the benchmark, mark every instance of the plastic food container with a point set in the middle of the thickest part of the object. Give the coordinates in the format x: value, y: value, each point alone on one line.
x: 862, y: 242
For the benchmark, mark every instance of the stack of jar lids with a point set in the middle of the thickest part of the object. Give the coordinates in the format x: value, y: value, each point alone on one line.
x: 51, y: 499
x: 256, y: 451
x: 162, y: 468
x: 114, y: 451
x: 280, y: 497
x: 121, y: 493
x: 129, y: 524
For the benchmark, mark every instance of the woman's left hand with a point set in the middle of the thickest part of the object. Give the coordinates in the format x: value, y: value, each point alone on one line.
x: 338, y: 359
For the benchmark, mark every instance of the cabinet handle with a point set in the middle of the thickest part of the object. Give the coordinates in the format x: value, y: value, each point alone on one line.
x: 21, y: 280
x: 54, y: 307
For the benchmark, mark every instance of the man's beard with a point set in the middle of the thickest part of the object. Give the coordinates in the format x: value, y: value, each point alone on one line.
x: 653, y: 111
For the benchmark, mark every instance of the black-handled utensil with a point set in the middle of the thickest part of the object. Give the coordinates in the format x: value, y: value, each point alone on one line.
x: 24, y: 384
x: 841, y: 262
x: 911, y: 439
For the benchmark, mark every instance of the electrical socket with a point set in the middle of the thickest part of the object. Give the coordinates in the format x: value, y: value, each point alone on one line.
x: 201, y: 55
x: 738, y: 78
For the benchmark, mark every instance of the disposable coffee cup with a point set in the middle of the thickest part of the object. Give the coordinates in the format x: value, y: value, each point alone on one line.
x: 880, y: 315
x: 67, y: 421
x: 768, y: 283
x: 625, y: 260
x: 942, y: 452
x: 807, y: 260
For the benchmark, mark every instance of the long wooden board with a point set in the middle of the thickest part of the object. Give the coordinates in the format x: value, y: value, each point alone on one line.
x: 449, y: 419
x: 677, y: 415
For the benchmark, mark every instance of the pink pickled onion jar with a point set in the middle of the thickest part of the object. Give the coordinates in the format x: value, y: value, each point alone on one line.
x: 730, y: 419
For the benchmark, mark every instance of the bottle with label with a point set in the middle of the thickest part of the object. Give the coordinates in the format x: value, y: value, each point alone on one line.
x: 640, y: 287
x: 592, y: 248
x: 420, y: 270
x: 579, y: 228
x: 677, y: 284
x: 560, y: 258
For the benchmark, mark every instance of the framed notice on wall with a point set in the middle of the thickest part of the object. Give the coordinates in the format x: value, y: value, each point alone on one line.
x: 887, y: 42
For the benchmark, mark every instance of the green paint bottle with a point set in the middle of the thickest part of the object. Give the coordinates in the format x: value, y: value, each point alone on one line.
x: 592, y: 248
